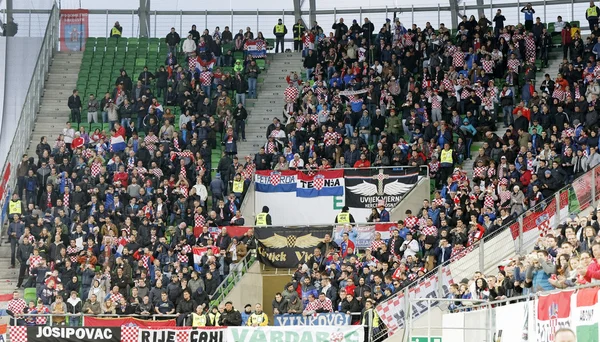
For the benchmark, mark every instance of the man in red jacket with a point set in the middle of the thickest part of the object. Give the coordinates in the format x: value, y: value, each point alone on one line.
x: 593, y: 270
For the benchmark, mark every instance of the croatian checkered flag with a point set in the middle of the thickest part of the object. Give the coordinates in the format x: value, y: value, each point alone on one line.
x: 543, y: 223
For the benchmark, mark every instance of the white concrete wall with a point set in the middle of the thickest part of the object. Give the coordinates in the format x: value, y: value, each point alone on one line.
x: 21, y: 56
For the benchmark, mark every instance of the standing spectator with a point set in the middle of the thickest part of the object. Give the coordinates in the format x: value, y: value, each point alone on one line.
x: 251, y: 72
x: 15, y: 230
x: 499, y: 22
x: 279, y: 31
x: 529, y: 11
x: 298, y: 30
x: 15, y: 309
x: 240, y: 115
x: 340, y: 28
x: 310, y: 62
x: 93, y: 106
x: 74, y: 307
x: 189, y: 45
x: 173, y: 40
x: 74, y: 104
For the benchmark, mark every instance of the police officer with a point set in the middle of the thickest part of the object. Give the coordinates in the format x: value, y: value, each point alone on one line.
x: 279, y: 31
x: 116, y: 31
x: 344, y: 217
x: 591, y: 14
x: 263, y: 219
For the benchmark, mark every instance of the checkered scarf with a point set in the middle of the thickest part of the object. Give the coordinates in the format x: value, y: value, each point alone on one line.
x: 158, y: 173
x: 199, y: 220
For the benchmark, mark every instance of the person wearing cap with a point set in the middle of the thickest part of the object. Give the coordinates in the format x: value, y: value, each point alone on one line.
x: 345, y: 216
x: 116, y: 31
x: 264, y: 218
x: 279, y: 31
x: 230, y: 316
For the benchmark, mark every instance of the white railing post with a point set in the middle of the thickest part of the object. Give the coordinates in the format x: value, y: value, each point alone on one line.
x: 557, y: 200
x: 520, y: 239
x: 594, y: 182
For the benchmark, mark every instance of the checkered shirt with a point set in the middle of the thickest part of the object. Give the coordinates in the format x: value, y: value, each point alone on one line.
x: 488, y: 66
x: 74, y: 251
x: 205, y: 78
x: 479, y: 171
x: 504, y: 196
x: 458, y: 59
x: 513, y: 65
x: 436, y: 103
x: 411, y: 221
x: 330, y: 138
x: 151, y: 141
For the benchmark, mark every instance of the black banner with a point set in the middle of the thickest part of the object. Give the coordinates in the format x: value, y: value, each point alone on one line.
x: 283, y: 247
x: 68, y: 334
x: 366, y: 187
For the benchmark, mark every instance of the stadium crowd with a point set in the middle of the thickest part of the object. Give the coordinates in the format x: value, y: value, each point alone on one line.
x: 108, y: 227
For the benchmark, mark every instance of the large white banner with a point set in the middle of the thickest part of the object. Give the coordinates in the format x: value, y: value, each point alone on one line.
x: 352, y: 333
x: 288, y: 210
x: 393, y: 313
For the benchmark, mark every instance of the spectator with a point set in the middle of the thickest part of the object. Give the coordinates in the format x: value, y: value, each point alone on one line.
x: 116, y: 31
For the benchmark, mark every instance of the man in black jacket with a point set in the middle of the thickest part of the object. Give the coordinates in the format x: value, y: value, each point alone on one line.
x: 74, y: 104
x: 240, y: 115
x: 230, y: 316
x: 23, y: 252
x: 340, y: 29
x: 185, y: 307
x: 173, y: 40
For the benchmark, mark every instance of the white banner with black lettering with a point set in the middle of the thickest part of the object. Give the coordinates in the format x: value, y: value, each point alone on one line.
x: 392, y: 312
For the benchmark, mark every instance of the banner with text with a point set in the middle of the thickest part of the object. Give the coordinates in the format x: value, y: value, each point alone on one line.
x: 553, y: 313
x: 286, y: 247
x: 366, y: 187
x: 330, y: 319
x: 132, y: 321
x: 392, y: 311
x: 365, y: 233
x: 68, y: 334
x: 175, y: 334
x: 74, y: 29
x: 352, y: 333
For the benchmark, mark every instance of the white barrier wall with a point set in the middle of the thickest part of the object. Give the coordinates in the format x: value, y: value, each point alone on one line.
x: 20, y: 59
x: 286, y: 209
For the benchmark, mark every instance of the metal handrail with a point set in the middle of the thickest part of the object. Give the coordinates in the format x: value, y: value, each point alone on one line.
x: 233, y: 278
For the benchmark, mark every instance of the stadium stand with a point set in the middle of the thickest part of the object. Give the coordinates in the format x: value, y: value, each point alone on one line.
x: 127, y: 206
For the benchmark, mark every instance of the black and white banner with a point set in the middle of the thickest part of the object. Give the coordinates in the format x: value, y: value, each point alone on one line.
x: 68, y: 334
x: 366, y: 187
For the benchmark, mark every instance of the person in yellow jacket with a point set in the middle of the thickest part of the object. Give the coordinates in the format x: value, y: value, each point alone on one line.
x: 298, y: 30
x: 15, y: 206
x: 116, y: 31
x: 591, y: 14
x: 199, y: 318
x: 213, y: 317
x: 264, y: 219
x: 258, y: 318
x: 279, y: 31
x: 370, y: 319
x: 344, y: 217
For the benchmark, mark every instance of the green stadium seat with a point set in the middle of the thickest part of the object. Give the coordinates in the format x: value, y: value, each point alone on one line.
x: 260, y: 63
x: 30, y: 295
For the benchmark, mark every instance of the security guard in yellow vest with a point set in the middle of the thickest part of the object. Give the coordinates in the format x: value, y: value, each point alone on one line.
x: 279, y: 31
x: 116, y: 31
x: 15, y: 206
x: 199, y: 319
x: 298, y: 33
x: 213, y: 317
x: 263, y: 219
x: 238, y: 186
x: 370, y: 318
x: 344, y: 217
x: 446, y: 162
x: 591, y: 14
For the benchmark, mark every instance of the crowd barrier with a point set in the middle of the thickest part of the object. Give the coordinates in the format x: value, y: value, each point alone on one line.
x: 534, y: 317
x: 517, y: 237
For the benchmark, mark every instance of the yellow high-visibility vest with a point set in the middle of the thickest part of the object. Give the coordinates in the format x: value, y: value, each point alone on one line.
x: 343, y: 218
x: 115, y: 31
x: 261, y: 219
x: 238, y: 186
x: 279, y: 28
x: 592, y: 12
x: 14, y: 207
x: 446, y: 156
x: 198, y: 320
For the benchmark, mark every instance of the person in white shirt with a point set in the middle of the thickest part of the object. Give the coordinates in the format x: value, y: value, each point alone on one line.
x: 69, y: 134
x: 559, y: 24
x: 409, y: 246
